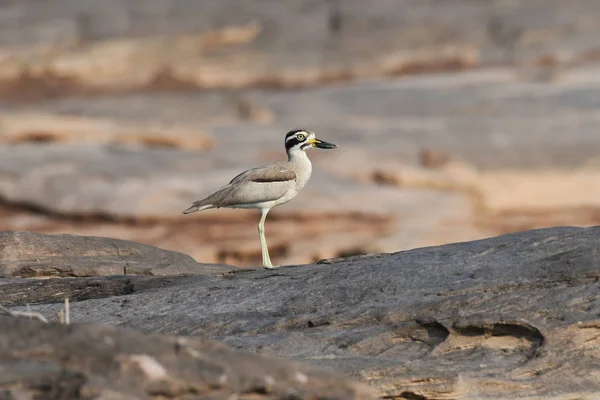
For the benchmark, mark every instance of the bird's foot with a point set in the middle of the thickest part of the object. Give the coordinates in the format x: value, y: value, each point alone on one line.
x: 269, y: 266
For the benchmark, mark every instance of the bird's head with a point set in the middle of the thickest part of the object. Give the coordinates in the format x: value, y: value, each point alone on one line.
x: 302, y: 140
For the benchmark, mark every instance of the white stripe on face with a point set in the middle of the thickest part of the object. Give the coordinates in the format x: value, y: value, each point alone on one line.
x: 295, y: 136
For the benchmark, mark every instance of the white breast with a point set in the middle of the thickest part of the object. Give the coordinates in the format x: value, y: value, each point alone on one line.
x: 302, y: 168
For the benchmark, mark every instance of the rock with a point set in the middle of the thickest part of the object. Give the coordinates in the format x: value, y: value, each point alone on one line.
x: 27, y: 254
x: 68, y: 46
x: 86, y: 179
x: 24, y: 127
x: 515, y: 316
x: 491, y: 129
x: 504, y: 191
x: 91, y: 361
x: 28, y: 291
x: 562, y: 190
x: 491, y: 119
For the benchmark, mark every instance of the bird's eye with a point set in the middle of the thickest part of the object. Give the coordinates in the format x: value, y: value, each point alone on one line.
x: 301, y: 137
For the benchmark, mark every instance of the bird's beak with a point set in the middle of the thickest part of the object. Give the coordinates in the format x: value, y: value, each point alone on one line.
x: 322, y: 144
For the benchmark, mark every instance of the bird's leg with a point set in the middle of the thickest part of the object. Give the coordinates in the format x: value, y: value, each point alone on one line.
x: 263, y: 241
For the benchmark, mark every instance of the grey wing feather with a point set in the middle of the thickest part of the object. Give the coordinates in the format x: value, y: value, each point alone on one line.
x: 256, y: 185
x: 269, y: 173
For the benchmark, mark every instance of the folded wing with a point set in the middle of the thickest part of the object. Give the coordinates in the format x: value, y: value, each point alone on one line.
x: 256, y: 185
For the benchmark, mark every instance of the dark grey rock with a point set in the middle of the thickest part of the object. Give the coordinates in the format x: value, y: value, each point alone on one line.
x: 28, y: 254
x: 29, y: 291
x: 511, y: 317
x: 54, y: 361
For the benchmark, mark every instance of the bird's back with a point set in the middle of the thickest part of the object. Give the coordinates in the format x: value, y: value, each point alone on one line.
x: 251, y: 188
x: 276, y: 172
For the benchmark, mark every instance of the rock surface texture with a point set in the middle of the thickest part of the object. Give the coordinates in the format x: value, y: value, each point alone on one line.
x: 54, y: 361
x: 511, y: 317
x: 34, y: 255
x: 115, y: 117
x: 79, y: 45
x: 455, y: 120
x: 490, y: 130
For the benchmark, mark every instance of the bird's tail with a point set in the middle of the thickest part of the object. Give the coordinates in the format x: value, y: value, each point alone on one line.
x: 198, y: 207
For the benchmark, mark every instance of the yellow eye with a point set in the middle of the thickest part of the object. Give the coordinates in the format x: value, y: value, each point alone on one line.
x: 301, y: 137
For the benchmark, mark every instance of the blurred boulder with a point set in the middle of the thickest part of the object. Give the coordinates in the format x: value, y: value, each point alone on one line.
x: 79, y: 45
x: 91, y: 361
x: 28, y: 254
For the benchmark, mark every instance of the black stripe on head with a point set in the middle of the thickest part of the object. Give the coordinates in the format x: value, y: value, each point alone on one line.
x: 295, y: 131
x: 291, y: 140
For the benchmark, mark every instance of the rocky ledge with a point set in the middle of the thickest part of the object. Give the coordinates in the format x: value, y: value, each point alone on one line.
x: 54, y: 361
x: 511, y: 317
x: 28, y: 254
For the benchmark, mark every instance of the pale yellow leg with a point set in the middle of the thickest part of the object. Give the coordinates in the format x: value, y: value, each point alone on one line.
x: 263, y: 240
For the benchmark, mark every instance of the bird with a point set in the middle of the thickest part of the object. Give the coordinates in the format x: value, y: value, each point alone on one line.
x: 268, y: 186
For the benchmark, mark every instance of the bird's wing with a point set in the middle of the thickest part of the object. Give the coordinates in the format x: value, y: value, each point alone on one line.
x: 256, y: 185
x: 269, y: 173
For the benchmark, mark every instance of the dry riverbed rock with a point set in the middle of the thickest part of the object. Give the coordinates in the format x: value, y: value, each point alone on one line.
x: 27, y: 127
x: 504, y: 163
x: 80, y: 46
x: 510, y: 317
x: 54, y: 361
x: 28, y: 254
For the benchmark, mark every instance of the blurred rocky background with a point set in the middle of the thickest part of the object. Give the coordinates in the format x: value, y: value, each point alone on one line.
x: 455, y: 119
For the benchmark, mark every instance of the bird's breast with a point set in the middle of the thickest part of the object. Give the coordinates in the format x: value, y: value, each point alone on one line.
x: 302, y: 176
x: 302, y: 167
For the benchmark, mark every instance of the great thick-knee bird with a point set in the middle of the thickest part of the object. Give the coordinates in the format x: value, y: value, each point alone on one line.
x: 268, y: 186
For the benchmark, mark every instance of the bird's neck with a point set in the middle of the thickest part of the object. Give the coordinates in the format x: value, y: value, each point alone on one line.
x: 298, y: 156
x: 303, y: 166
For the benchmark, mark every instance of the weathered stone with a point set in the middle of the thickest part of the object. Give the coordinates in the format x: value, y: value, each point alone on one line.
x: 382, y: 130
x: 27, y: 254
x: 502, y: 191
x: 490, y: 119
x: 68, y: 45
x: 24, y: 127
x: 23, y: 291
x: 86, y: 179
x: 40, y: 360
x: 511, y: 317
x: 517, y: 134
